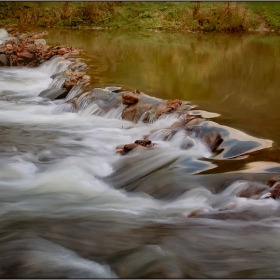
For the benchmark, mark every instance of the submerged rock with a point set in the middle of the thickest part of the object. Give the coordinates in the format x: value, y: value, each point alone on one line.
x: 54, y: 93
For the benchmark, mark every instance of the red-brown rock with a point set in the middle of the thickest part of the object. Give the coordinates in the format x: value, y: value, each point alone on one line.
x: 130, y: 97
x: 25, y: 55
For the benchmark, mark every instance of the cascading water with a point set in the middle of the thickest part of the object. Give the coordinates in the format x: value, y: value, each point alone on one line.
x: 71, y: 207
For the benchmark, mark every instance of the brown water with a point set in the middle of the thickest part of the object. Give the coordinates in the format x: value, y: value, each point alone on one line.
x: 236, y: 76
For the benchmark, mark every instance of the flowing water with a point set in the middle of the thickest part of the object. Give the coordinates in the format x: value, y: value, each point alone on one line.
x: 73, y: 208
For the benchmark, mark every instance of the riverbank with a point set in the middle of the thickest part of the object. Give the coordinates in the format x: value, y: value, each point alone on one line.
x: 221, y: 17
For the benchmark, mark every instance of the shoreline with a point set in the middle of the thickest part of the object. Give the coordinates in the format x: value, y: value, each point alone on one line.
x: 194, y: 17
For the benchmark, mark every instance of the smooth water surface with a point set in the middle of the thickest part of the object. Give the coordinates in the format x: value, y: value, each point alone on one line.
x: 71, y: 207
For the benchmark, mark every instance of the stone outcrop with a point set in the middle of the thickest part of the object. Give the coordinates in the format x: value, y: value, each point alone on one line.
x: 28, y: 49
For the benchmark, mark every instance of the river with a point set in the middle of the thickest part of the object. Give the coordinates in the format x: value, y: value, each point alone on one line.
x: 71, y: 207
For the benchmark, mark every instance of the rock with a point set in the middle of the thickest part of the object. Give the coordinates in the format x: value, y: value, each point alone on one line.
x: 22, y: 36
x: 275, y: 192
x: 32, y: 48
x: 192, y: 121
x: 124, y: 149
x: 144, y: 143
x: 54, y: 93
x: 128, y: 147
x: 160, y: 108
x: 177, y: 124
x: 273, y: 180
x: 169, y: 107
x: 134, y: 112
x: 130, y: 97
x: 3, y: 60
x: 12, y: 39
x: 26, y: 55
x: 40, y: 42
x: 86, y: 78
x: 79, y: 66
x: 13, y: 60
x: 120, y: 150
x: 213, y: 140
x: 62, y: 51
x: 70, y: 82
x: 9, y: 47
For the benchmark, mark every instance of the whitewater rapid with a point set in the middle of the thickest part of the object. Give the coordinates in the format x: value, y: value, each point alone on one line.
x: 71, y: 207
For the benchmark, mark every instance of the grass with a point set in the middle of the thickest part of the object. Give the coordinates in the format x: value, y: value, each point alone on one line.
x: 226, y: 17
x: 268, y: 11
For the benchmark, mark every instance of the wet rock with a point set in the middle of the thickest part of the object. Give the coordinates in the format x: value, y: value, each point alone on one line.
x: 159, y: 109
x: 144, y: 142
x: 192, y: 121
x: 54, y: 93
x: 32, y: 48
x: 124, y: 149
x: 130, y: 97
x: 170, y: 107
x: 177, y: 124
x: 62, y: 51
x: 275, y: 192
x: 26, y: 55
x: 70, y: 82
x: 31, y: 51
x: 3, y: 60
x: 134, y: 112
x: 128, y: 147
x: 9, y: 47
x: 13, y: 59
x: 273, y: 180
x: 79, y: 66
x: 213, y: 140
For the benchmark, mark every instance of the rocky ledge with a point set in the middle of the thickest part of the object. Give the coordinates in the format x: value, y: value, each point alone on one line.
x: 31, y: 50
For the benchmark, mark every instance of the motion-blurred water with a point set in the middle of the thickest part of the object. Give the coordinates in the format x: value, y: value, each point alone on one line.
x: 70, y: 207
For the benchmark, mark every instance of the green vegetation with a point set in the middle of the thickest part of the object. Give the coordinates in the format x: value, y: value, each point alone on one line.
x: 269, y: 11
x: 170, y: 16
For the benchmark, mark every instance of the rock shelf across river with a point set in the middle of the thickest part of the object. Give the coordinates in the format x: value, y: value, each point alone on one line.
x: 191, y: 125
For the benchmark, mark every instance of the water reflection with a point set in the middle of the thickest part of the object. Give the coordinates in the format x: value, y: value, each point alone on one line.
x: 234, y: 75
